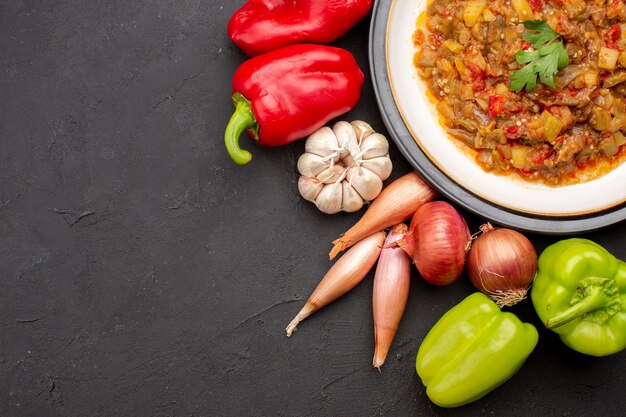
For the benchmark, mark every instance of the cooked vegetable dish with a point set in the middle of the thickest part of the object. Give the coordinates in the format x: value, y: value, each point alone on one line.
x: 533, y: 87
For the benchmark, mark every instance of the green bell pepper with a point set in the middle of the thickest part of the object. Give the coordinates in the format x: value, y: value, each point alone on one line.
x: 580, y: 293
x: 472, y: 350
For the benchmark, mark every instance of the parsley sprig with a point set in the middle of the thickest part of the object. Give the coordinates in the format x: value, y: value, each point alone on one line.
x: 544, y: 62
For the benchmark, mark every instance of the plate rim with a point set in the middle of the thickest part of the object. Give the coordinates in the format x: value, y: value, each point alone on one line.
x: 401, y: 135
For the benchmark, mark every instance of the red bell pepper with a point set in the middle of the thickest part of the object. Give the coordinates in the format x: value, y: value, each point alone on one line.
x: 289, y: 93
x: 264, y: 25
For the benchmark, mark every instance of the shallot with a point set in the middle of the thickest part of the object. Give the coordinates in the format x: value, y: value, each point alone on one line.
x: 502, y: 263
x: 438, y: 240
x: 391, y: 292
x: 344, y: 275
x: 396, y: 203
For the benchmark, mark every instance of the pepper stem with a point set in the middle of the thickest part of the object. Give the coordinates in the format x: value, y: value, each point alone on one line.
x: 596, y: 300
x: 241, y: 120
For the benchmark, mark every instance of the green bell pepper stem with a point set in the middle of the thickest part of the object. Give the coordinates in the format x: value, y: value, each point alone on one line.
x: 598, y: 298
x: 241, y: 120
x: 578, y: 293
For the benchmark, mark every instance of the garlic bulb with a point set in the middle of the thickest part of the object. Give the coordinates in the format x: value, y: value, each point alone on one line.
x: 343, y: 167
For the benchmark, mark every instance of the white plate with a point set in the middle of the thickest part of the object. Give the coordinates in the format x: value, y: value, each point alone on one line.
x: 420, y: 117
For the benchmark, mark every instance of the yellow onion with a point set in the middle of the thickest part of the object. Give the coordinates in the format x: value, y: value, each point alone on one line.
x: 502, y: 263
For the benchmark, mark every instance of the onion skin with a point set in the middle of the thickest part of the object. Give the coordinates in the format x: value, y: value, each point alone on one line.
x: 344, y: 275
x: 391, y: 292
x: 437, y: 241
x: 396, y: 203
x: 502, y: 264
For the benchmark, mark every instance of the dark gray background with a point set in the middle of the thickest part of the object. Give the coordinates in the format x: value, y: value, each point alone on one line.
x: 144, y: 274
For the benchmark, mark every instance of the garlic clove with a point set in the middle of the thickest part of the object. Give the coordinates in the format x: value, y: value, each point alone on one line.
x: 380, y: 166
x: 352, y: 201
x: 310, y: 164
x: 374, y: 145
x: 362, y: 130
x: 330, y: 199
x: 331, y: 174
x: 309, y: 187
x: 346, y: 138
x: 365, y: 182
x: 323, y: 142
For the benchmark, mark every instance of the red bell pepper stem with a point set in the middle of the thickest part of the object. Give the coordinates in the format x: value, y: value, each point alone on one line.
x: 289, y: 93
x: 241, y: 120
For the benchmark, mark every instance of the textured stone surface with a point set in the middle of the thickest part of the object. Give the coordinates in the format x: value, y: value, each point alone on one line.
x: 144, y: 274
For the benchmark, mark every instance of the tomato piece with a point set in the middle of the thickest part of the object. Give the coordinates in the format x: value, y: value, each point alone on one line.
x: 478, y: 76
x: 612, y: 36
x: 436, y: 39
x: 478, y: 85
x: 496, y: 105
x: 541, y: 155
x: 535, y: 5
x: 475, y: 70
x: 511, y: 132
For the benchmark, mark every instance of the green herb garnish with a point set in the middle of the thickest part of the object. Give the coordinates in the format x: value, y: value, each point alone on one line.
x: 545, y: 61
